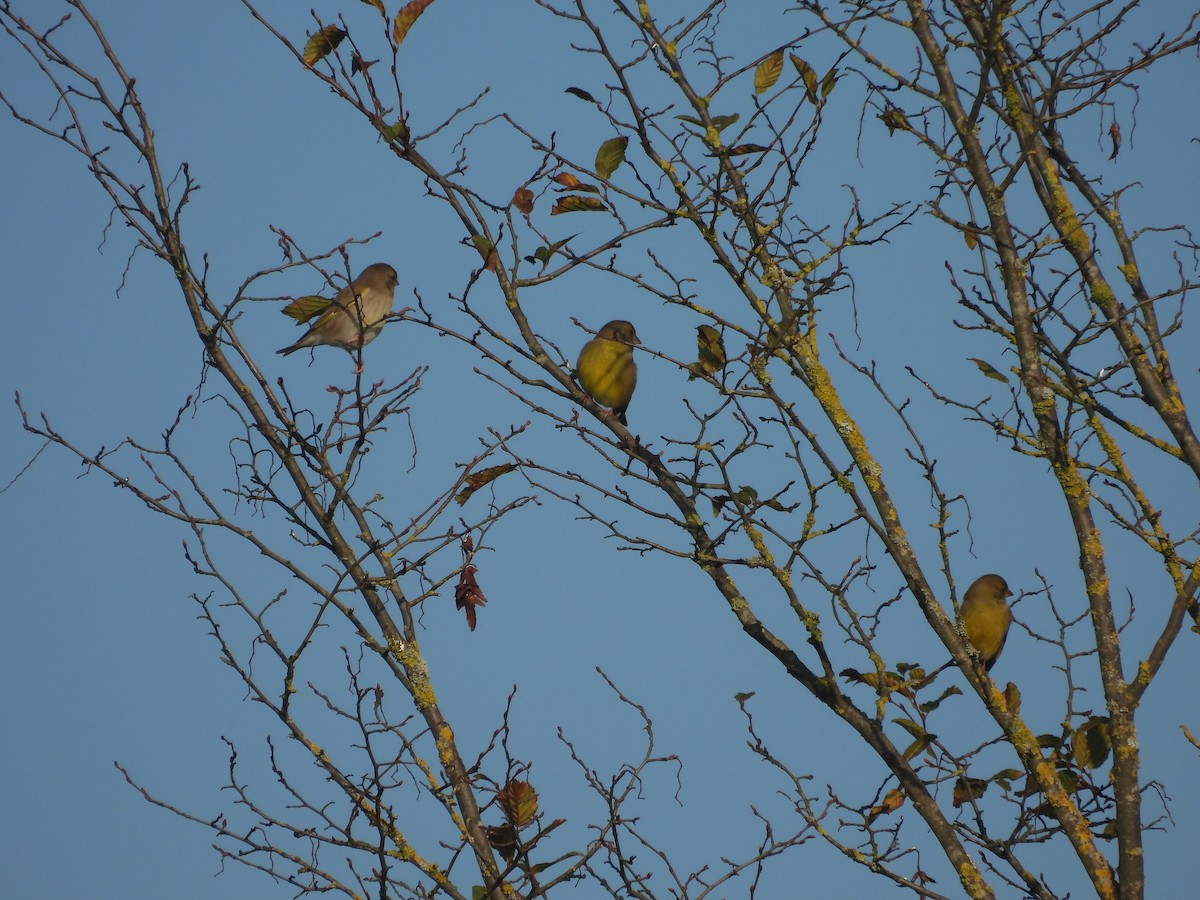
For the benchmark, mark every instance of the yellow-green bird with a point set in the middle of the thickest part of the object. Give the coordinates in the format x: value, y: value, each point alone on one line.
x: 985, y: 616
x: 606, y: 369
x: 356, y: 315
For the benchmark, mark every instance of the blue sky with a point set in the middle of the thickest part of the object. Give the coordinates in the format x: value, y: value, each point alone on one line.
x: 103, y: 659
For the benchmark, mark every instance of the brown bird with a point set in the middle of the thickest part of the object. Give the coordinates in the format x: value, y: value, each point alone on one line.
x: 356, y: 315
x: 606, y: 369
x: 985, y: 617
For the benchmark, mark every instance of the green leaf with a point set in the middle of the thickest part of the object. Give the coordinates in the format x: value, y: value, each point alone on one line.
x: 828, y: 83
x: 917, y: 746
x: 397, y: 131
x: 610, y: 155
x: 722, y: 122
x: 745, y: 494
x: 768, y: 72
x: 321, y: 44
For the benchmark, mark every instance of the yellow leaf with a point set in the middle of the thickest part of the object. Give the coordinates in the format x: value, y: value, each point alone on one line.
x: 710, y: 350
x: 892, y: 801
x: 321, y: 44
x: 378, y: 4
x: 575, y: 203
x: 610, y: 155
x: 989, y: 370
x: 807, y: 75
x: 409, y: 13
x: 523, y: 200
x: 1090, y: 744
x: 519, y: 801
x: 479, y: 479
x: 768, y: 72
x: 1012, y: 699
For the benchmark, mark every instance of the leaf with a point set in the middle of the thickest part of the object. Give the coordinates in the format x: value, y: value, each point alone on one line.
x: 918, y: 745
x: 571, y: 183
x: 610, y: 155
x: 742, y: 696
x: 503, y: 839
x: 577, y: 204
x: 321, y: 44
x: 710, y: 351
x: 912, y: 727
x: 768, y: 72
x: 304, y: 308
x: 931, y: 705
x: 519, y: 801
x: 408, y: 15
x: 969, y: 238
x: 966, y: 789
x: 989, y: 370
x: 397, y: 131
x: 745, y: 494
x: 1005, y: 777
x: 378, y: 4
x: 581, y: 94
x: 543, y: 254
x: 1091, y: 744
x: 828, y: 83
x: 718, y: 122
x: 358, y: 64
x: 892, y: 801
x: 1114, y: 132
x: 744, y: 149
x: 479, y: 479
x: 467, y: 594
x: 491, y: 261
x: 1012, y: 698
x: 522, y: 199
x: 808, y: 75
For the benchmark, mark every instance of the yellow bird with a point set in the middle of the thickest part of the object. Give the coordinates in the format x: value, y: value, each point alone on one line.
x: 606, y: 369
x: 985, y: 616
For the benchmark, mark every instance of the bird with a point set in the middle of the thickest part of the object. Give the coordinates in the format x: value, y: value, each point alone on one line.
x: 356, y: 315
x: 985, y: 617
x: 606, y: 369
